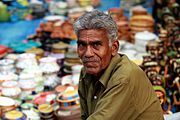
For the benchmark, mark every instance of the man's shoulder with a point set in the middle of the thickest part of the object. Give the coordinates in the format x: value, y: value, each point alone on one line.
x: 124, y: 70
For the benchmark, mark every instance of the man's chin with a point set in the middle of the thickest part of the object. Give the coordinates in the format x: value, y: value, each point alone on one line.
x: 92, y: 71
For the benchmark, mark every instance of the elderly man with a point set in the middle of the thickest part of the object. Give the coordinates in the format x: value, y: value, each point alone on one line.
x: 111, y: 87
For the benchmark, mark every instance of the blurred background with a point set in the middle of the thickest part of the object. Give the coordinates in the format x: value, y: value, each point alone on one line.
x: 39, y: 65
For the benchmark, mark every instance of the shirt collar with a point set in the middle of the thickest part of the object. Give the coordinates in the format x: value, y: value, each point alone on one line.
x: 107, y: 73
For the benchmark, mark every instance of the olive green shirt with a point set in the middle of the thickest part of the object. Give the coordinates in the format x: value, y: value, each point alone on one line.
x: 123, y: 92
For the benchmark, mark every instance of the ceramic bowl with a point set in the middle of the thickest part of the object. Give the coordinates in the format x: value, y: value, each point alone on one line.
x: 7, y: 104
x: 14, y: 115
x: 49, y: 65
x: 10, y: 89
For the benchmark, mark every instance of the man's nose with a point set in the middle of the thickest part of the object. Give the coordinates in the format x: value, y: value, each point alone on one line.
x: 89, y: 52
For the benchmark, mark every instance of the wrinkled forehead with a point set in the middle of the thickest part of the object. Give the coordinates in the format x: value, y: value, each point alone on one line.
x: 92, y: 34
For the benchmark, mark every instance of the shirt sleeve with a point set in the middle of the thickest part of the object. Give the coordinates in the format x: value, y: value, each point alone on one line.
x: 114, y: 104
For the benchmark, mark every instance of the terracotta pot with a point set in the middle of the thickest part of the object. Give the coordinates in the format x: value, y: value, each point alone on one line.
x: 116, y: 13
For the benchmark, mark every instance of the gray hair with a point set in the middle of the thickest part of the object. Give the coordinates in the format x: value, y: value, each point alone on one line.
x: 97, y: 20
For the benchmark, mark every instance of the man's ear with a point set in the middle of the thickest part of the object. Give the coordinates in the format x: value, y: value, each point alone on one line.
x: 115, y: 47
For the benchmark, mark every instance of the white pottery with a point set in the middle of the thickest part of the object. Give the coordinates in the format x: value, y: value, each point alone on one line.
x: 27, y: 82
x: 8, y: 76
x: 6, y: 104
x: 6, y: 101
x: 51, y: 80
x: 31, y: 114
x: 141, y: 40
x: 12, y: 56
x: 10, y: 89
x: 48, y: 65
x: 26, y: 60
x: 76, y: 69
x: 7, y: 66
x: 66, y: 80
x: 36, y: 71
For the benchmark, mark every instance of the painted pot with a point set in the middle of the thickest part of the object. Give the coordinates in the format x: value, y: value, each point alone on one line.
x: 46, y: 111
x: 68, y: 99
x: 44, y: 97
x: 14, y: 115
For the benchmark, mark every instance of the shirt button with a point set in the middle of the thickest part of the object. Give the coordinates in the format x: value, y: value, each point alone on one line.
x: 95, y: 97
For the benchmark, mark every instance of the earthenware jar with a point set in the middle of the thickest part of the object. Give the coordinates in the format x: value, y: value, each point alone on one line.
x: 116, y: 13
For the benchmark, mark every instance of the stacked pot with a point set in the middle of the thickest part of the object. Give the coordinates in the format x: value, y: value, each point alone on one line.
x: 140, y: 21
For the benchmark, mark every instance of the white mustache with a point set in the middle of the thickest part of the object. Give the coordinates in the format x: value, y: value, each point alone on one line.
x: 85, y: 60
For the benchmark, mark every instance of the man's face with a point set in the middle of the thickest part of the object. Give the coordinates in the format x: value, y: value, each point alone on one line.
x: 94, y: 50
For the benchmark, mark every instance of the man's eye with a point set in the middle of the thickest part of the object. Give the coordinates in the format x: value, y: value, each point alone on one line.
x: 81, y: 45
x: 96, y: 45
